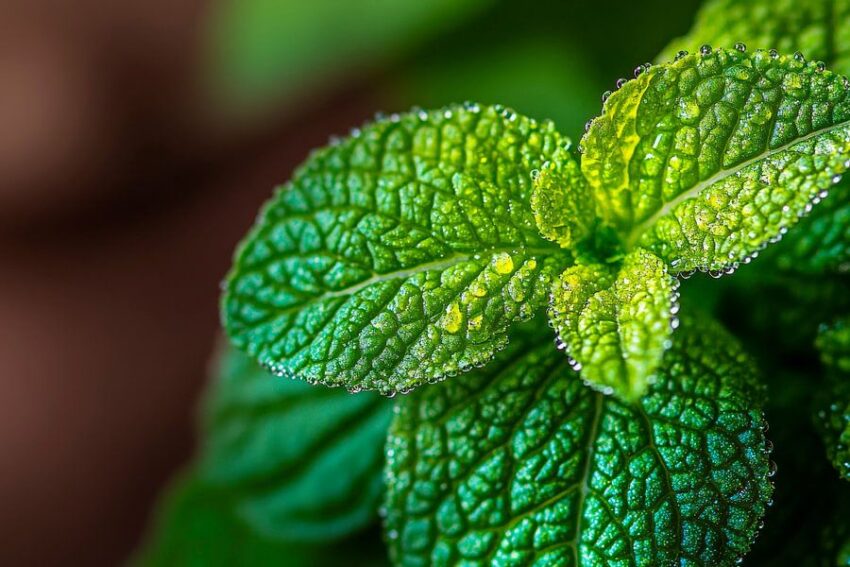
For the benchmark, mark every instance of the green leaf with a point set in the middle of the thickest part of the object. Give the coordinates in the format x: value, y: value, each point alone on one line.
x: 284, y: 468
x: 818, y: 28
x: 520, y: 464
x: 804, y: 527
x: 821, y: 30
x: 616, y: 325
x: 834, y: 419
x: 197, y: 527
x: 821, y: 243
x: 561, y: 201
x: 399, y: 256
x: 706, y: 160
x: 279, y: 448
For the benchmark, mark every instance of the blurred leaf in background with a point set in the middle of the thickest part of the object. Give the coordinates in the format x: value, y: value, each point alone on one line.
x: 198, y: 528
x: 285, y: 469
x: 263, y: 52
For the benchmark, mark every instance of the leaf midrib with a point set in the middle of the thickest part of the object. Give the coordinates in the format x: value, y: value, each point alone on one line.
x: 638, y: 231
x: 584, y: 488
x: 435, y: 265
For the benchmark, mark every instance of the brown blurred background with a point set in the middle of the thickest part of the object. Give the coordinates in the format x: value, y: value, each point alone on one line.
x: 138, y: 140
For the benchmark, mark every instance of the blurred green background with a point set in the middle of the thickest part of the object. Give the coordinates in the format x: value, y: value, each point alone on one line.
x: 140, y: 139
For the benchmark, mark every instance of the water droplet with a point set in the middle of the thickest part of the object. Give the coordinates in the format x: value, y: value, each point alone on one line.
x: 799, y: 57
x: 588, y: 124
x: 503, y: 263
x: 820, y: 67
x: 741, y: 46
x: 680, y: 54
x: 772, y: 468
x: 620, y: 82
x: 639, y: 71
x: 605, y: 96
x: 705, y: 49
x: 773, y: 54
x: 836, y: 179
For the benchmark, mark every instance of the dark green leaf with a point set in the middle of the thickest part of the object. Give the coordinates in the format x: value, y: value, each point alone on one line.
x: 301, y: 462
x: 197, y: 527
x: 834, y: 418
x: 520, y: 464
x: 285, y: 468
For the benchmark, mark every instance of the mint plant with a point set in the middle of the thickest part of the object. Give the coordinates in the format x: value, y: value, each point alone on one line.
x: 559, y: 406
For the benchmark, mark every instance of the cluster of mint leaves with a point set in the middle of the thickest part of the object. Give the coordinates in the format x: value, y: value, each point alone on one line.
x: 429, y: 246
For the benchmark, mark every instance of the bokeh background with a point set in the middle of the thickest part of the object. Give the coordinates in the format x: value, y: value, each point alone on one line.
x: 138, y: 140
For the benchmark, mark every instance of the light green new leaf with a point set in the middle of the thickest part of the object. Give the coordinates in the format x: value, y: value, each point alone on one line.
x: 706, y: 159
x: 301, y: 462
x: 616, y: 325
x: 519, y: 464
x: 834, y: 420
x: 820, y: 29
x: 399, y: 256
x: 563, y: 206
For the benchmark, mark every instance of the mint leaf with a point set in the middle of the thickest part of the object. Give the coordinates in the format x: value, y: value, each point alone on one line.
x: 821, y: 244
x: 561, y: 201
x: 399, y: 256
x: 520, y: 464
x: 197, y: 527
x: 818, y: 28
x: 616, y: 325
x: 707, y: 159
x: 834, y: 419
x: 278, y: 447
